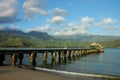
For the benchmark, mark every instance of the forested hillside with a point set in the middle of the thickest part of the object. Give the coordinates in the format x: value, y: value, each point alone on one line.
x: 88, y: 38
x: 15, y: 38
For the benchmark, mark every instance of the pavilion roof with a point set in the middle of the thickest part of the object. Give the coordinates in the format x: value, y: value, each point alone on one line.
x: 96, y: 44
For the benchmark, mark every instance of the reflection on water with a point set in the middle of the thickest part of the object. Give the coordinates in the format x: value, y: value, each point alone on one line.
x: 54, y: 63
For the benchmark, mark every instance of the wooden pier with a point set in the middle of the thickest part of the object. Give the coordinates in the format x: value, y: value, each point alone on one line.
x: 18, y: 53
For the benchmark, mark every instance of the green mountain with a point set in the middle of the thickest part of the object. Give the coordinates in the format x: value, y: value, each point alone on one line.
x: 21, y: 34
x: 17, y: 38
x: 40, y: 35
x: 89, y: 38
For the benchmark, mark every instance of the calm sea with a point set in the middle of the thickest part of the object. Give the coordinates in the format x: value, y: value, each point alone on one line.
x: 106, y: 63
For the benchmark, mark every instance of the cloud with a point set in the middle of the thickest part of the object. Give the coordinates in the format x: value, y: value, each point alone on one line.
x: 45, y: 28
x: 57, y: 19
x: 32, y: 7
x: 8, y: 11
x: 59, y: 12
x: 12, y: 27
x: 78, y: 26
x: 73, y: 28
x: 87, y: 20
x: 107, y: 21
x: 58, y: 15
x: 70, y: 32
x: 112, y: 28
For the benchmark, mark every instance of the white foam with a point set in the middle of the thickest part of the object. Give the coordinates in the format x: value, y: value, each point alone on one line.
x: 75, y: 73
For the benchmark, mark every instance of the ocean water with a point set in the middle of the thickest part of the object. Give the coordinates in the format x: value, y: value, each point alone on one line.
x: 106, y: 64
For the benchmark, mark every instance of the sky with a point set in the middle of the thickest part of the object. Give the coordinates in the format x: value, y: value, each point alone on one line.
x: 61, y: 17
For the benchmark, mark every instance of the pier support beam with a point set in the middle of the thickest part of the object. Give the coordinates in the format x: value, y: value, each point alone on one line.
x: 32, y: 58
x: 77, y: 53
x: 14, y: 58
x: 80, y: 52
x: 44, y: 56
x: 83, y: 52
x: 60, y: 53
x: 88, y: 51
x: 68, y: 54
x: 2, y: 58
x: 53, y: 55
x: 72, y: 53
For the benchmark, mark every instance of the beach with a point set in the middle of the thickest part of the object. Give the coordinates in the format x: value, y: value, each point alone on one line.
x: 16, y: 73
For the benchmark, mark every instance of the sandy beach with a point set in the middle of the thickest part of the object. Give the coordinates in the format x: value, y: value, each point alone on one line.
x: 16, y: 73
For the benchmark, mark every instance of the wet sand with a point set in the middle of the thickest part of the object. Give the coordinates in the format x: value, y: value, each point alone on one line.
x: 16, y: 73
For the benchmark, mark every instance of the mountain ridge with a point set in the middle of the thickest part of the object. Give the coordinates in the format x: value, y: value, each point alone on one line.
x: 88, y: 38
x: 16, y: 38
x: 21, y: 34
x: 46, y: 36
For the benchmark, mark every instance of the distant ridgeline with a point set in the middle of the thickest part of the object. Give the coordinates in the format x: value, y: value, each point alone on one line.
x: 17, y: 38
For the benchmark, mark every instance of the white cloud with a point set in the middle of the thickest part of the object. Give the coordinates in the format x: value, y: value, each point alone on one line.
x: 73, y: 28
x: 70, y: 32
x: 58, y: 16
x: 2, y: 27
x: 8, y: 11
x: 45, y: 28
x: 57, y: 19
x: 78, y: 26
x: 107, y: 21
x: 112, y: 28
x: 32, y: 7
x: 87, y: 20
x: 8, y: 8
x: 59, y: 12
x: 11, y: 27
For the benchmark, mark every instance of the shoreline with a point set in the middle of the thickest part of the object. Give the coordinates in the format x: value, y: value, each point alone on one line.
x: 16, y: 73
x: 77, y: 74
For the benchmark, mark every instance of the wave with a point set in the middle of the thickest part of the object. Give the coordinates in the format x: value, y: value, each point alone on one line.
x: 76, y: 74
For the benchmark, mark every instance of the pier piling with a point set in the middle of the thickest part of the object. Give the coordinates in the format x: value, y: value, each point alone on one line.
x: 2, y: 58
x: 14, y: 58
x: 32, y: 58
